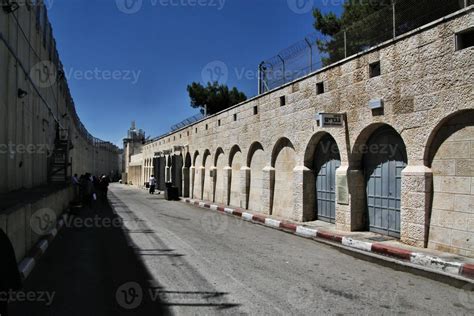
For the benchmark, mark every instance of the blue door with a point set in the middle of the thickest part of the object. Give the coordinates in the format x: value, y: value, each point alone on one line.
x: 326, y: 162
x: 384, y: 162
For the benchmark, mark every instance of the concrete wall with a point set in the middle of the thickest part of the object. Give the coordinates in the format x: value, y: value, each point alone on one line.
x: 30, y: 122
x: 19, y: 223
x: 424, y: 80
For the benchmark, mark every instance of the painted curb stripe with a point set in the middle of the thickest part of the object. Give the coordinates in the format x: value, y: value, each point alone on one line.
x: 467, y: 270
x: 288, y: 226
x: 247, y: 216
x: 26, y: 266
x: 357, y: 244
x: 43, y: 245
x: 435, y: 263
x: 54, y: 232
x: 391, y: 251
x: 272, y: 223
x: 329, y: 236
x: 237, y: 213
x: 306, y: 232
x: 259, y: 219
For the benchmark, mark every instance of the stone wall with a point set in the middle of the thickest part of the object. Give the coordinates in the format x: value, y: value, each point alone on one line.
x: 423, y: 80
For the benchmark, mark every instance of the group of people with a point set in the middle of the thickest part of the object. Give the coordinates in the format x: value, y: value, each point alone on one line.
x: 89, y: 188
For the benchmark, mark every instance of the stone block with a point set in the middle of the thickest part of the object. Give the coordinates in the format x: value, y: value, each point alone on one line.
x: 443, y: 201
x: 450, y: 184
x: 463, y: 203
x: 465, y: 167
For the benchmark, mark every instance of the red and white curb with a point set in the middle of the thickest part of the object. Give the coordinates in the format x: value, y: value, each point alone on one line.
x: 28, y: 263
x: 420, y: 259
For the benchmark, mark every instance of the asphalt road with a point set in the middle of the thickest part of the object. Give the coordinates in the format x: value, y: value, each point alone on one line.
x: 173, y: 258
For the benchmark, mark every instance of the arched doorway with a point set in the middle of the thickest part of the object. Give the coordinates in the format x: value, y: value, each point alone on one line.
x: 177, y: 172
x: 197, y: 177
x: 326, y: 161
x: 256, y: 162
x: 284, y: 162
x: 186, y: 177
x: 159, y: 164
x: 235, y: 161
x: 450, y: 155
x: 207, y: 179
x: 219, y: 190
x: 384, y: 159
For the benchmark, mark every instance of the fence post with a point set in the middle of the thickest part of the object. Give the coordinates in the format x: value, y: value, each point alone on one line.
x: 310, y: 55
x: 345, y: 44
x: 284, y: 70
x: 394, y: 19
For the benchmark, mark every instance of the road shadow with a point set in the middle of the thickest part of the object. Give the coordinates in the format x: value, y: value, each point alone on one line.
x: 89, y: 271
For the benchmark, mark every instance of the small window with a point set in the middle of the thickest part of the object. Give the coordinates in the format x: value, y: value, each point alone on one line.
x: 320, y: 87
x: 174, y: 137
x: 465, y: 39
x: 207, y: 127
x: 255, y: 110
x: 282, y: 100
x: 235, y: 117
x: 180, y: 136
x: 218, y: 122
x: 196, y: 130
x: 374, y: 69
x: 187, y: 133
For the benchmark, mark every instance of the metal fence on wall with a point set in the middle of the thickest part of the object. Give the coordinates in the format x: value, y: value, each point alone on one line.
x: 317, y: 51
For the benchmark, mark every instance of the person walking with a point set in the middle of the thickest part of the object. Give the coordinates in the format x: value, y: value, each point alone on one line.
x: 152, y: 182
x: 10, y: 279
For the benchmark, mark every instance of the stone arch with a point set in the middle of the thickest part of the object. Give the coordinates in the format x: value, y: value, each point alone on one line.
x: 235, y: 163
x: 195, y: 157
x: 219, y: 151
x: 196, y: 178
x: 322, y: 157
x: 256, y: 161
x: 188, y: 160
x: 450, y: 154
x: 280, y: 145
x: 186, y: 173
x: 234, y: 150
x: 383, y: 157
x: 282, y: 195
x: 207, y: 181
x: 220, y: 186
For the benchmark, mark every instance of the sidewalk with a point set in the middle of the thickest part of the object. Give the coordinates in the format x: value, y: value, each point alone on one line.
x: 448, y: 264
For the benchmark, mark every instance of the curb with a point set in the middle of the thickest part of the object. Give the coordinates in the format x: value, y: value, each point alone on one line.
x: 28, y: 263
x: 419, y: 259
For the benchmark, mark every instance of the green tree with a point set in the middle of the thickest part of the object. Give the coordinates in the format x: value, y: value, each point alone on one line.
x: 359, y: 19
x: 214, y: 97
x: 366, y: 23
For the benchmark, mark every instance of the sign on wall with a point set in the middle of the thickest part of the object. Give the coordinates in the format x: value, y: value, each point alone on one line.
x: 330, y: 119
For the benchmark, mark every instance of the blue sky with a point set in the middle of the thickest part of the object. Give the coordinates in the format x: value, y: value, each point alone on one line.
x: 132, y: 59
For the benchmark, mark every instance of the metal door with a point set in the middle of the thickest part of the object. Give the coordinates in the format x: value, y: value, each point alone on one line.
x: 177, y: 173
x: 384, y: 162
x: 327, y: 161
